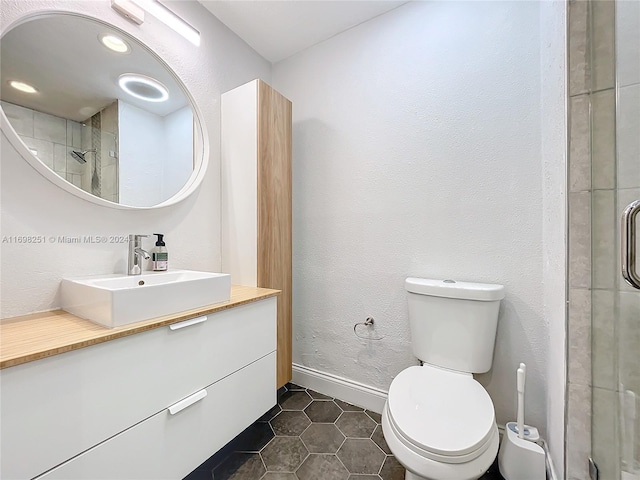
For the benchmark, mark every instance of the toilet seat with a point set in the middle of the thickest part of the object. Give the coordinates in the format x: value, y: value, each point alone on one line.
x: 441, y: 414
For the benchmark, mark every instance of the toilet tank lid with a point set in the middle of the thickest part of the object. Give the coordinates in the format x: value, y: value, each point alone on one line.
x: 453, y: 289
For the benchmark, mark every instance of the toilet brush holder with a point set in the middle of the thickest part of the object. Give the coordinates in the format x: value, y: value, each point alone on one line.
x: 519, y: 458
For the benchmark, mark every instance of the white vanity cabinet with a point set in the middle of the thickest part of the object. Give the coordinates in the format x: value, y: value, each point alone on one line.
x: 150, y: 405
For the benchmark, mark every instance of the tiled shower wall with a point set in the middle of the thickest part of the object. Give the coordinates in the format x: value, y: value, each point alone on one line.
x: 102, y: 166
x: 108, y: 149
x: 52, y: 138
x: 49, y: 138
x: 603, y: 311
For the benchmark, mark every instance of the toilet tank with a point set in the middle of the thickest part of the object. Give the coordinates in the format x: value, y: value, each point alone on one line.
x: 453, y: 324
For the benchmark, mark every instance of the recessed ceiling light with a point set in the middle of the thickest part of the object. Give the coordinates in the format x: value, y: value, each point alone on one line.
x: 143, y: 87
x: 114, y: 43
x: 23, y: 87
x: 34, y: 151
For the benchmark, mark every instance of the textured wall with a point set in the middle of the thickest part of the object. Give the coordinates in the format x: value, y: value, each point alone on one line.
x: 407, y: 163
x: 31, y: 205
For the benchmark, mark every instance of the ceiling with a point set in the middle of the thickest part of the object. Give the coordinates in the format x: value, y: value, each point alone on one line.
x: 279, y: 29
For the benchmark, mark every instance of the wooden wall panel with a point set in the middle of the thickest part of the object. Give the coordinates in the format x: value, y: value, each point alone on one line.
x: 274, y: 213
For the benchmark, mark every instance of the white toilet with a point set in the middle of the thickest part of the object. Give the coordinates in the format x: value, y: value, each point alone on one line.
x: 438, y: 421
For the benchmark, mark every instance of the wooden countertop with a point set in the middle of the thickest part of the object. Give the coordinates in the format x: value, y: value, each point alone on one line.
x: 40, y: 335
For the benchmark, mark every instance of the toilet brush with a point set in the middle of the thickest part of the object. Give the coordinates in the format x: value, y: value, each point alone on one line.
x: 520, y: 378
x: 520, y: 458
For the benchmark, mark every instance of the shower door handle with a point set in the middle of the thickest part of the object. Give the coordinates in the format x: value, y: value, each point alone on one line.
x: 628, y: 247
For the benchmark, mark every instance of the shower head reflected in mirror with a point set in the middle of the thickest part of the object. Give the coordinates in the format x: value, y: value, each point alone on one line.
x: 79, y: 155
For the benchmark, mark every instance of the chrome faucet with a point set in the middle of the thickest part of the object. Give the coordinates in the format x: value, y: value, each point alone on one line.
x: 134, y: 265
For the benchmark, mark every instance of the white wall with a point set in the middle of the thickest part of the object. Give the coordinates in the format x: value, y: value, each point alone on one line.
x: 141, y: 156
x: 156, y: 154
x: 178, y: 165
x: 417, y: 152
x: 31, y: 205
x: 554, y: 212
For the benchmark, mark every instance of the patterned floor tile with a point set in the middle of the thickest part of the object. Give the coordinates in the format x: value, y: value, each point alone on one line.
x: 311, y: 422
x: 294, y: 400
x: 376, y: 417
x: 322, y: 438
x: 356, y: 424
x: 319, y: 396
x: 361, y: 456
x: 323, y: 412
x: 392, y: 470
x: 284, y: 454
x: 293, y: 386
x: 322, y: 467
x: 279, y: 476
x: 378, y: 439
x: 240, y: 466
x: 290, y: 423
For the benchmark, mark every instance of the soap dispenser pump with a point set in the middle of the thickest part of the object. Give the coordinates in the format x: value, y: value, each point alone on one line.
x: 160, y: 256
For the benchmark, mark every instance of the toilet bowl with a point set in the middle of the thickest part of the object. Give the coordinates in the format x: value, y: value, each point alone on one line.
x: 438, y: 421
x: 440, y: 424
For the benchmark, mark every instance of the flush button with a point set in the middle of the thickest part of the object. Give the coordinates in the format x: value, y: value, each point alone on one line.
x: 449, y: 281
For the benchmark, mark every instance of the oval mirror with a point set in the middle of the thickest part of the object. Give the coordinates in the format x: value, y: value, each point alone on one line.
x: 99, y: 113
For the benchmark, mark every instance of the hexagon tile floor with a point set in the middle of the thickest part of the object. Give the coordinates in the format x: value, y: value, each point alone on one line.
x: 308, y: 436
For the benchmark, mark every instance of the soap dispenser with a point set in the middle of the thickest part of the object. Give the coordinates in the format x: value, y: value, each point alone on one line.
x: 160, y: 256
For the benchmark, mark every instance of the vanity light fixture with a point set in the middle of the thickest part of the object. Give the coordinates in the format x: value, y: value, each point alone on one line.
x: 143, y: 87
x: 23, y: 87
x: 170, y: 19
x: 114, y: 43
x: 129, y: 10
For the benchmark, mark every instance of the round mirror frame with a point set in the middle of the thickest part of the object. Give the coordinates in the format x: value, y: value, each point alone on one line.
x: 200, y: 129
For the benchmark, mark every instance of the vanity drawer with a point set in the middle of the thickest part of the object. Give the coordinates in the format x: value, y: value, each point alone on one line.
x: 56, y: 408
x: 169, y: 446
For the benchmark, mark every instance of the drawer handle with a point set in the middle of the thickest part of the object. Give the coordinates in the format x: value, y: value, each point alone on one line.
x: 187, y: 402
x: 187, y: 323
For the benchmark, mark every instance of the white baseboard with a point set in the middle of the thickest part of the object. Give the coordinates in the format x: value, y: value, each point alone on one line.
x: 342, y: 388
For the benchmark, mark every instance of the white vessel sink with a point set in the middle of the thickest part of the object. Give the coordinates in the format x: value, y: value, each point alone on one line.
x: 116, y: 300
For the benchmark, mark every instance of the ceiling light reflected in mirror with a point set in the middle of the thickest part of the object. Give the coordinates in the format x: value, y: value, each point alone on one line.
x: 23, y: 87
x: 143, y: 87
x: 114, y: 43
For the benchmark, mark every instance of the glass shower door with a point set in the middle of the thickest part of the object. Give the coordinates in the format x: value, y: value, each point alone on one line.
x: 628, y: 202
x: 616, y: 300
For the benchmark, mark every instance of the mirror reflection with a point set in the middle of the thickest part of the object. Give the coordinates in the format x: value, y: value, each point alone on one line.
x: 98, y: 109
